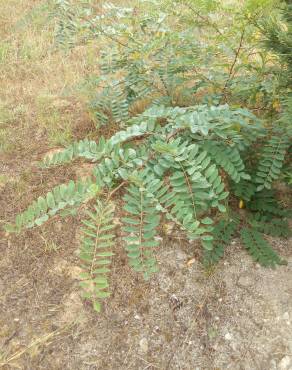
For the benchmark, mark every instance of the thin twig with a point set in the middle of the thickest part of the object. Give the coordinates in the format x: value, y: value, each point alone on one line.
x: 149, y: 364
x: 231, y: 70
x: 203, y: 77
x: 205, y: 19
x: 176, y: 131
x: 112, y: 37
x: 127, y: 355
x: 36, y: 342
x: 116, y: 189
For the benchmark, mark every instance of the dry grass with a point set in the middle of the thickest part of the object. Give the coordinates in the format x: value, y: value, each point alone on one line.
x: 40, y: 107
x: 34, y: 345
x: 38, y: 83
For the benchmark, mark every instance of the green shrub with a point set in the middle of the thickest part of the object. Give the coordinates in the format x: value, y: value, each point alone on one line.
x: 184, y: 150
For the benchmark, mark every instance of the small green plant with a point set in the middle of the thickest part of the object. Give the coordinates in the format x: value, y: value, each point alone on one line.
x: 96, y: 251
x: 181, y: 158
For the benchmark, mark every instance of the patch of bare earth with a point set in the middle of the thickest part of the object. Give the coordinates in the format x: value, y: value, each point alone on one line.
x: 238, y: 317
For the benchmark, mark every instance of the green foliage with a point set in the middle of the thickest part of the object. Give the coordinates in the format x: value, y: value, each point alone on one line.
x: 259, y: 248
x: 68, y: 22
x: 244, y: 190
x: 82, y: 149
x: 96, y: 252
x: 223, y: 233
x: 141, y: 222
x: 110, y: 105
x: 287, y: 167
x: 271, y: 226
x: 265, y: 202
x: 229, y: 159
x: 278, y: 36
x: 184, y: 148
x: 271, y: 161
x: 62, y: 196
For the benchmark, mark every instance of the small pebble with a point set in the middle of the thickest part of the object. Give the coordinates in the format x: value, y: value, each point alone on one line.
x: 286, y: 316
x: 228, y: 336
x: 144, y: 345
x: 181, y: 256
x: 285, y: 363
x: 245, y: 281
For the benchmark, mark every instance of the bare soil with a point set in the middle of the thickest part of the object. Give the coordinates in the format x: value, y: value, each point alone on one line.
x: 238, y: 316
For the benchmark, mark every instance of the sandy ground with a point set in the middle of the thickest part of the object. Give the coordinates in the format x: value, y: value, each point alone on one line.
x: 238, y: 316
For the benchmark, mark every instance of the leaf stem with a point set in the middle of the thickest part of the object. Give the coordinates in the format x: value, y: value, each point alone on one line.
x: 231, y: 70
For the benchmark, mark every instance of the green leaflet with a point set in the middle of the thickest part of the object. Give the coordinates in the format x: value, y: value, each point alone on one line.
x: 229, y: 159
x: 120, y: 164
x: 62, y: 196
x: 271, y: 161
x: 270, y: 225
x: 95, y: 151
x: 143, y: 219
x: 266, y: 203
x: 259, y: 248
x: 82, y: 149
x: 198, y: 182
x: 96, y: 246
x: 222, y: 233
x: 244, y: 189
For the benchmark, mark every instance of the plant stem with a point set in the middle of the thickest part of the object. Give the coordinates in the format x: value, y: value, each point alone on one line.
x: 231, y: 70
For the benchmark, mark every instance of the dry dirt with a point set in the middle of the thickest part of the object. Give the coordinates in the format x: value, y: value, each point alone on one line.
x: 238, y: 316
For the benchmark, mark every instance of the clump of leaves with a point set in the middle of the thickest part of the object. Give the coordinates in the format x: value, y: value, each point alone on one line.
x: 181, y: 159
